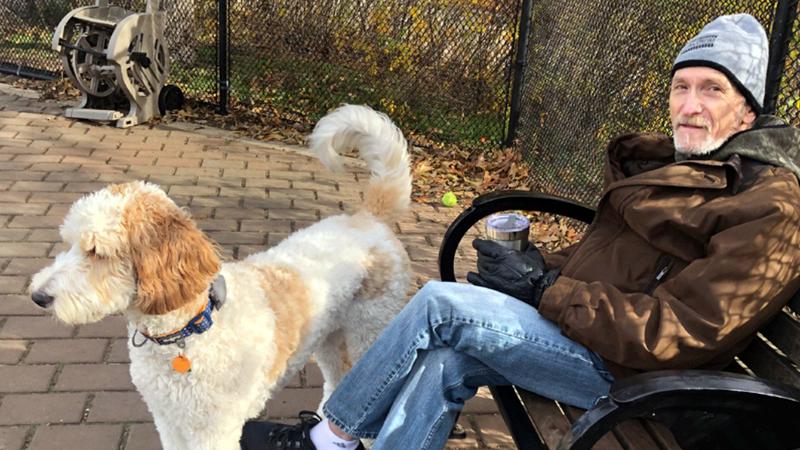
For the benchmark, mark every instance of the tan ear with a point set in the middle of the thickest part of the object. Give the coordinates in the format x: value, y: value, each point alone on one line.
x: 173, y: 259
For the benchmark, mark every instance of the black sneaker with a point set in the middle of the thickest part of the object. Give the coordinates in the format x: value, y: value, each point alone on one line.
x: 281, y: 436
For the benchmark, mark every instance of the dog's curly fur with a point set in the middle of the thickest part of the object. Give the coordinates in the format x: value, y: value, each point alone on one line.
x: 328, y: 289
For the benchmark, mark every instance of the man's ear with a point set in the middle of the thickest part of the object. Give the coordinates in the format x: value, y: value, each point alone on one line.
x: 749, y: 117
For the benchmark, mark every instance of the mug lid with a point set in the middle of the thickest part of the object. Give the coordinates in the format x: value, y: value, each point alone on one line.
x: 508, y: 222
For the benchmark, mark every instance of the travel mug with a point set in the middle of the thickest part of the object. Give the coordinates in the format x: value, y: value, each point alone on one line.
x: 509, y: 230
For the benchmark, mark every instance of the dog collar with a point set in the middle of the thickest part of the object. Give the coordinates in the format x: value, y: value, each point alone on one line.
x: 200, y: 323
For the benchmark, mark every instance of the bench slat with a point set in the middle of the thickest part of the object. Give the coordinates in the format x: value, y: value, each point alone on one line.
x: 794, y: 303
x: 766, y: 363
x: 662, y: 435
x: 784, y: 333
x: 550, y: 422
x: 633, y: 434
x: 607, y: 442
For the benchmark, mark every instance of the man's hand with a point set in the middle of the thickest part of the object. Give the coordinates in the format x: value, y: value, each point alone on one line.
x: 510, y: 271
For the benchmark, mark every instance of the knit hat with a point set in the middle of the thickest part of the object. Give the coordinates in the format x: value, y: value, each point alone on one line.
x: 737, y: 46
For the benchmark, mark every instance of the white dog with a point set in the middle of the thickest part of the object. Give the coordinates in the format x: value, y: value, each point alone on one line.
x: 328, y: 289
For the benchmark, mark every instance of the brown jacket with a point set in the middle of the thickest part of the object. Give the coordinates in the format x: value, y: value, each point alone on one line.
x: 684, y: 260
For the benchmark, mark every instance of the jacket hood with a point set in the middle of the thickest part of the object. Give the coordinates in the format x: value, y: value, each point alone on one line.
x: 770, y: 141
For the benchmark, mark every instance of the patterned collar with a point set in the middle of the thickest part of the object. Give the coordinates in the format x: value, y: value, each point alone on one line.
x: 199, y: 324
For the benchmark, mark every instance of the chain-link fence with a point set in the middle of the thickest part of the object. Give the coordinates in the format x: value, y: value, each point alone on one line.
x: 593, y: 69
x: 599, y: 68
x: 788, y: 101
x: 438, y: 68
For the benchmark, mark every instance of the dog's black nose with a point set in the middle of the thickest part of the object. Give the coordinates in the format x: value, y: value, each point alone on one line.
x: 42, y: 299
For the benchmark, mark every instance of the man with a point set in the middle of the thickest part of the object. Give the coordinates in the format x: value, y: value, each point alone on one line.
x: 695, y: 245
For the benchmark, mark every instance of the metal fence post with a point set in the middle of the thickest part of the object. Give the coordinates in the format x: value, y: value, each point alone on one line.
x: 785, y: 15
x: 223, y: 56
x: 519, y: 70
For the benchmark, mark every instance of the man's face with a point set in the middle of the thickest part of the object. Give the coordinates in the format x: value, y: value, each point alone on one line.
x: 705, y: 109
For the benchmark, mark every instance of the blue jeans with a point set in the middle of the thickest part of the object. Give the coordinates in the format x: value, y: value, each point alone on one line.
x: 452, y: 338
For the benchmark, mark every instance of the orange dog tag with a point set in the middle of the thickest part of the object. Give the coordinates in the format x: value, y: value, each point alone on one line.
x: 181, y: 364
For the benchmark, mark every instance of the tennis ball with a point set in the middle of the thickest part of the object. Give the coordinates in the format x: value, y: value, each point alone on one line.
x: 449, y: 199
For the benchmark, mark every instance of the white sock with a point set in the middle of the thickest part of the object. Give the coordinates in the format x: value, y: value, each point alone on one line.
x: 323, y: 438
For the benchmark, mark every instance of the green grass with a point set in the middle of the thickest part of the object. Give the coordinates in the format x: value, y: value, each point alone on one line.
x: 310, y: 88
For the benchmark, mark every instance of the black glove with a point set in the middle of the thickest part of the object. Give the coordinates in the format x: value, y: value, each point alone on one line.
x: 518, y: 274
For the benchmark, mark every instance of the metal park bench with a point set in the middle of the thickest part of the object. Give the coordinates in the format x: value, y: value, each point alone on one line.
x: 753, y: 405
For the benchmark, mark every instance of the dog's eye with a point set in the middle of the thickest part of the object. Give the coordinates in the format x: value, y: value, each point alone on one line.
x: 92, y: 252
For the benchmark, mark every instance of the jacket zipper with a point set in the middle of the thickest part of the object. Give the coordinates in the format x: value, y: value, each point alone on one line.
x: 664, y: 265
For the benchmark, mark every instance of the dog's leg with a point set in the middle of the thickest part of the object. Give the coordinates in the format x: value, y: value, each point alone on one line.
x: 168, y: 433
x: 334, y: 362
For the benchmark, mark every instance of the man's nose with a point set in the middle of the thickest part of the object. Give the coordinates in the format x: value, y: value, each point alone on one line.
x: 691, y: 103
x: 42, y: 299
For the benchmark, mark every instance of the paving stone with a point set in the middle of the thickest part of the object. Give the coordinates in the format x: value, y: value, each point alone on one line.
x: 34, y: 327
x: 66, y: 351
x: 26, y: 378
x: 239, y: 237
x: 198, y: 172
x: 119, y: 351
x: 86, y: 437
x: 239, y: 213
x: 84, y: 187
x: 468, y: 442
x: 217, y: 225
x: 493, y: 431
x: 286, y: 403
x: 37, y: 186
x: 50, y: 167
x: 14, y: 165
x: 12, y: 438
x: 13, y: 284
x: 19, y: 305
x: 291, y: 194
x: 55, y: 197
x: 72, y: 176
x: 192, y: 190
x: 14, y: 197
x: 94, y: 377
x: 11, y: 351
x: 267, y: 203
x: 110, y: 327
x: 268, y: 183
x: 18, y: 249
x: 35, y: 222
x: 24, y: 409
x: 247, y: 193
x: 267, y: 225
x: 118, y: 407
x: 23, y: 209
x: 294, y: 214
x: 44, y: 235
x: 481, y: 403
x: 18, y: 175
x: 226, y: 182
x: 143, y: 436
x: 222, y: 163
x: 26, y: 266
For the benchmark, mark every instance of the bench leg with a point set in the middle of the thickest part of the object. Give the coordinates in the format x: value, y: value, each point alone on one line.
x: 517, y: 420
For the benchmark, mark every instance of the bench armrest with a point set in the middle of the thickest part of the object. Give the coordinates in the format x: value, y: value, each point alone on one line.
x: 488, y: 204
x: 665, y: 395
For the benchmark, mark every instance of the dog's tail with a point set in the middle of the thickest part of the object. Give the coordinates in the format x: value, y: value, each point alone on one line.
x: 380, y: 143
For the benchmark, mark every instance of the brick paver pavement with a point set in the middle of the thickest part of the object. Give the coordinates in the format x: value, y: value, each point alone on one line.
x: 68, y: 387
